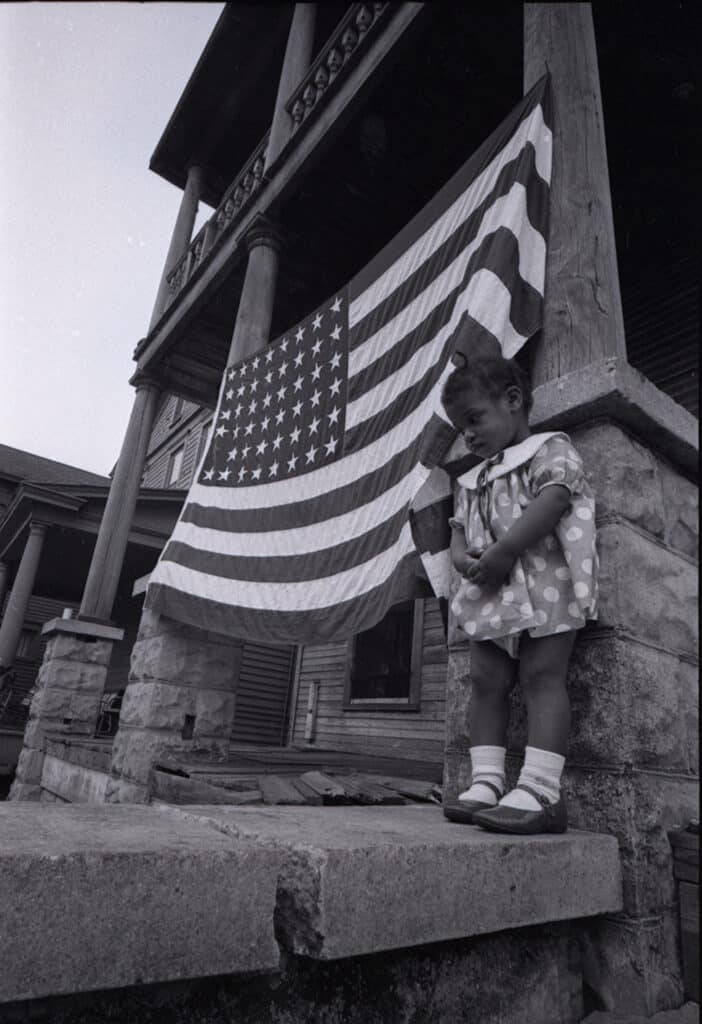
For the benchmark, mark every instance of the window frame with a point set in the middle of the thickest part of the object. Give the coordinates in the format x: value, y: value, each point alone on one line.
x: 203, y: 440
x: 172, y: 456
x: 410, y: 703
x: 177, y: 410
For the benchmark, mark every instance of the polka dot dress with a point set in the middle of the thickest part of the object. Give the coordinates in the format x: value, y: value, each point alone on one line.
x: 552, y: 587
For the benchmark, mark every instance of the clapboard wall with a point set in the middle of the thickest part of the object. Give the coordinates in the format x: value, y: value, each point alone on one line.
x: 418, y: 735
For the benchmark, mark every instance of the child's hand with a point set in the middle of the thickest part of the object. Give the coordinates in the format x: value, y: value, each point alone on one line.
x: 492, y: 567
x: 463, y: 563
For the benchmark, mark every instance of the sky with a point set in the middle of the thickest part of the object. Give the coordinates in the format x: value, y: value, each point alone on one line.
x: 86, y: 90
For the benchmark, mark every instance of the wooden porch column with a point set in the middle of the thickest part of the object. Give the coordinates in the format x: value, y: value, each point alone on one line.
x: 253, y: 320
x: 13, y: 620
x: 298, y: 54
x: 111, y: 544
x: 583, y: 320
x: 181, y: 237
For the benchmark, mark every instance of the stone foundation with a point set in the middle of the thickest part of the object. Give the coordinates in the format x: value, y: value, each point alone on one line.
x: 70, y: 685
x: 179, y: 700
x: 633, y: 764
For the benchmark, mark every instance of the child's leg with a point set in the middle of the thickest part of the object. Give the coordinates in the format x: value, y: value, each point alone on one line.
x: 543, y: 669
x: 492, y: 678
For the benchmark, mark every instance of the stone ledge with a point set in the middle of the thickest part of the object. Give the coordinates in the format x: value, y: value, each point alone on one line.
x: 101, y: 897
x: 614, y: 390
x: 359, y: 880
x: 82, y: 628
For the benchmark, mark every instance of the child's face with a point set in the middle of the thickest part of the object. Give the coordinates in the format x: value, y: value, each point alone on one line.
x: 489, y: 424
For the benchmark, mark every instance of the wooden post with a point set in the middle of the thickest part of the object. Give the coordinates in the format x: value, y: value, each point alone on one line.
x: 180, y: 239
x: 296, y: 62
x: 583, y: 320
x: 13, y: 619
x: 111, y: 544
x: 253, y: 319
x: 3, y: 583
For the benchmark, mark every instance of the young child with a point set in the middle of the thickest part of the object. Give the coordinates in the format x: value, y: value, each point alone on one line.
x: 523, y: 542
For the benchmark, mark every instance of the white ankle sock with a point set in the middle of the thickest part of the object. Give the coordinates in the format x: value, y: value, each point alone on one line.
x: 488, y: 765
x: 541, y: 772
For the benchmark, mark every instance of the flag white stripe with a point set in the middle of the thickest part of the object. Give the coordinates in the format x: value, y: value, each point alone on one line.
x: 487, y: 300
x: 288, y: 597
x: 533, y: 129
x: 306, y: 539
x: 509, y: 211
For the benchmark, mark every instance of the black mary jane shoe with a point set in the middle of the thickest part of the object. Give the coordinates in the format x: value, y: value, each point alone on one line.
x: 551, y: 818
x: 461, y: 811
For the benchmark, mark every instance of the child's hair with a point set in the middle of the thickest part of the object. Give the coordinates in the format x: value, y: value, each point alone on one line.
x: 490, y: 374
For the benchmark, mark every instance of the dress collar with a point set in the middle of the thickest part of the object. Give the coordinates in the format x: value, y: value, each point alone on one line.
x: 514, y: 456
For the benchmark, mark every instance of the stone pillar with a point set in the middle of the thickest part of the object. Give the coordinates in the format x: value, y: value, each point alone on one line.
x: 69, y: 688
x: 296, y: 62
x: 182, y: 683
x: 3, y: 584
x: 253, y: 320
x: 15, y: 613
x: 179, y: 701
x: 181, y: 237
x: 111, y: 544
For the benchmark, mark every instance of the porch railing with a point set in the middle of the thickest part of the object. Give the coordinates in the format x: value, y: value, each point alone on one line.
x: 340, y: 52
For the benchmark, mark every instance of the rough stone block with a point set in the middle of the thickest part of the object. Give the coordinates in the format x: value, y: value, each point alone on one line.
x: 647, y: 589
x: 185, y: 661
x: 156, y: 705
x: 458, y: 697
x: 76, y: 648
x: 72, y: 782
x: 627, y: 482
x: 630, y: 705
x: 117, y: 791
x: 79, y: 707
x: 639, y: 808
x: 632, y: 965
x: 72, y: 675
x: 682, y: 509
x: 344, y: 864
x: 135, y: 751
x: 100, y: 897
x: 34, y: 733
x: 153, y: 625
x: 25, y: 791
x: 30, y: 765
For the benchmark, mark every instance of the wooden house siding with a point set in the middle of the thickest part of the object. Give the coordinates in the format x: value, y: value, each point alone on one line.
x: 419, y: 734
x: 167, y: 436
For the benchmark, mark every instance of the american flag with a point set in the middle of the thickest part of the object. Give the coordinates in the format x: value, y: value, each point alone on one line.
x: 321, y: 498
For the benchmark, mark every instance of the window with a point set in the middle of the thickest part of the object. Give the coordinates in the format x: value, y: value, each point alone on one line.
x: 28, y: 646
x: 205, y: 432
x: 177, y: 410
x: 385, y: 667
x: 175, y: 464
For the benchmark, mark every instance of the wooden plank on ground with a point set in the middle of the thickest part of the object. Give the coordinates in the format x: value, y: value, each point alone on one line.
x: 279, y: 790
x: 416, y: 789
x: 311, y: 796
x: 175, y: 789
x: 328, y: 789
x: 361, y: 789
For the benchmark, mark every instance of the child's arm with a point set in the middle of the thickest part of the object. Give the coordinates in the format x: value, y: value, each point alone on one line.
x: 537, y: 519
x: 459, y: 550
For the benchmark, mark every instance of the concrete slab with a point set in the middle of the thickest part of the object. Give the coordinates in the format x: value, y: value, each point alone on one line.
x: 96, y: 897
x: 74, y: 782
x: 359, y: 880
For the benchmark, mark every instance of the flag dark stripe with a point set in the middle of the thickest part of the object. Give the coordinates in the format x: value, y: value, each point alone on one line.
x: 325, y: 625
x: 291, y: 568
x: 430, y: 529
x: 521, y: 169
x: 314, y: 510
x: 394, y: 412
x: 458, y: 184
x: 499, y: 252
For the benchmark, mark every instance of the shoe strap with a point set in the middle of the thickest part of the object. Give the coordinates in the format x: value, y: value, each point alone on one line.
x: 544, y: 801
x: 490, y: 785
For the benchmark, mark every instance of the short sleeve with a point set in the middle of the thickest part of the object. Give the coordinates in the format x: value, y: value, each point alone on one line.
x: 556, y: 462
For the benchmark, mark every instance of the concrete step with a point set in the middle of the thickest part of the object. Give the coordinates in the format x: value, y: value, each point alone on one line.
x: 106, y: 896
